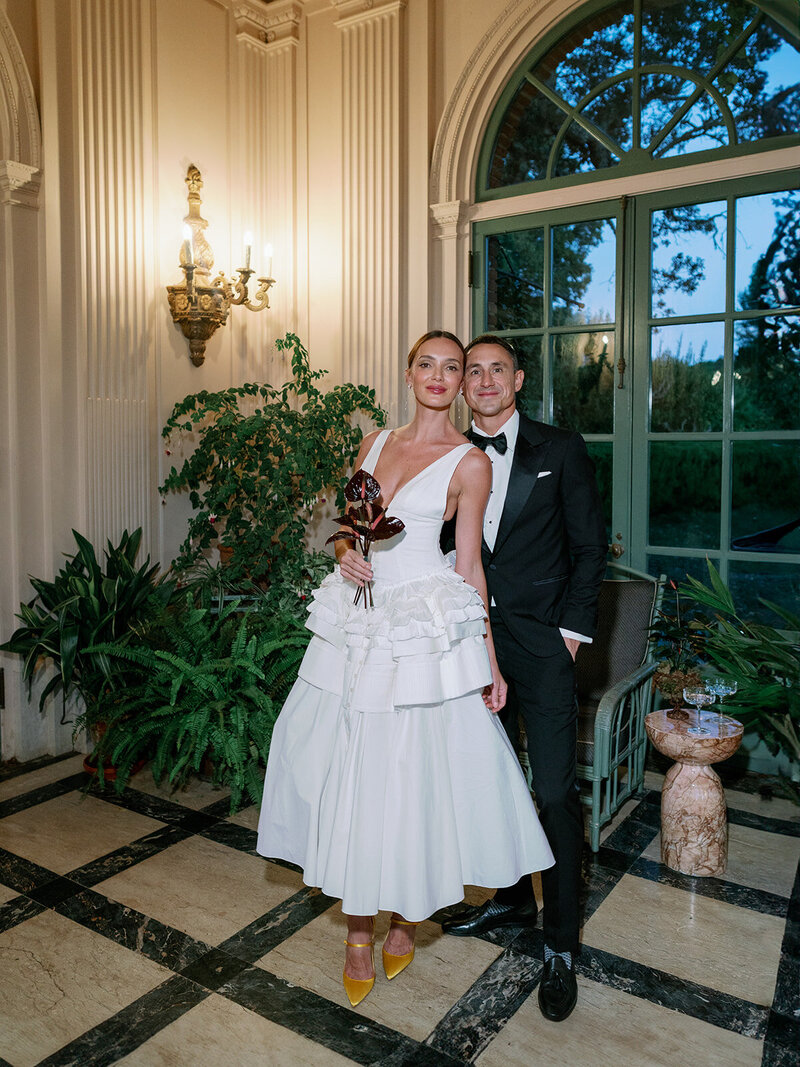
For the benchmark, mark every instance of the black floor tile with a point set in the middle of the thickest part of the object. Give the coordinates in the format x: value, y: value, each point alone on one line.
x: 660, y: 987
x: 42, y: 793
x: 269, y: 930
x: 18, y: 910
x: 130, y: 928
x: 741, y: 896
x: 338, y: 1028
x: 482, y: 1012
x: 128, y: 1029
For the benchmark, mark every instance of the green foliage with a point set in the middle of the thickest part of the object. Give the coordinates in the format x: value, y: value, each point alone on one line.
x: 209, y: 684
x: 764, y: 661
x: 707, y: 631
x: 677, y: 637
x: 263, y: 457
x: 81, y: 607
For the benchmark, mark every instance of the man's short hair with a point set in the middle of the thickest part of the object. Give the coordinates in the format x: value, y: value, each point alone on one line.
x: 493, y: 339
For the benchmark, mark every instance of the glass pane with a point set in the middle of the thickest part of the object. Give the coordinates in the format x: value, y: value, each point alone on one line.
x: 701, y: 129
x: 602, y: 454
x: 777, y: 582
x: 662, y: 95
x: 677, y: 32
x: 765, y: 514
x: 766, y: 374
x: 761, y: 84
x: 581, y: 152
x: 768, y: 251
x: 612, y: 110
x: 583, y: 382
x: 597, y: 48
x: 524, y: 139
x: 686, y: 377
x: 688, y: 259
x: 584, y: 272
x: 676, y: 568
x: 515, y: 280
x: 529, y: 351
x: 685, y: 482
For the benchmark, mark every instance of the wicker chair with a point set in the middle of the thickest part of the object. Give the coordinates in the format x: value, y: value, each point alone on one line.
x: 615, y: 694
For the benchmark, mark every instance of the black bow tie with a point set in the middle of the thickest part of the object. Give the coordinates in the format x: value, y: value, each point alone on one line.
x: 499, y: 443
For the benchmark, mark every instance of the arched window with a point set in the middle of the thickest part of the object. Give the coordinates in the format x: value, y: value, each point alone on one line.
x: 647, y: 83
x: 663, y: 324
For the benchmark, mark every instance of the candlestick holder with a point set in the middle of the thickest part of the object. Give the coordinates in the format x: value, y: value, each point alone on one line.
x: 201, y: 306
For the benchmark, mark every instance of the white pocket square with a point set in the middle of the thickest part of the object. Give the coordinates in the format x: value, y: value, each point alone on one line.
x: 543, y: 474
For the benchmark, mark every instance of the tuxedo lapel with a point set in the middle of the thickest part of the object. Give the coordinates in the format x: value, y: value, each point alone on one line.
x: 529, y: 456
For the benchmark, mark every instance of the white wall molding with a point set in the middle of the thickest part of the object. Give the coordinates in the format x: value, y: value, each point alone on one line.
x: 349, y: 12
x: 19, y: 184
x: 20, y: 131
x: 117, y: 280
x: 24, y: 460
x: 372, y: 210
x: 448, y: 219
x: 267, y: 44
x: 458, y: 142
x: 483, y: 78
x: 274, y: 25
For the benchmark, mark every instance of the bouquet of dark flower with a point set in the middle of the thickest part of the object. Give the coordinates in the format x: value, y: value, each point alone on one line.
x: 366, y: 521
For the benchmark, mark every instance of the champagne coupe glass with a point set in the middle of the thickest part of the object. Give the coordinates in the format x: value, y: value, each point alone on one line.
x: 699, y: 697
x: 722, y: 687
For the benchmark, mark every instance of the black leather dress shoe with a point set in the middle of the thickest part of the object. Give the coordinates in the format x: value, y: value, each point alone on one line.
x: 477, y: 919
x: 558, y: 990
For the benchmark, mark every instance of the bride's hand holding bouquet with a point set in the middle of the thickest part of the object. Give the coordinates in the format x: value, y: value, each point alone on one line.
x: 365, y: 521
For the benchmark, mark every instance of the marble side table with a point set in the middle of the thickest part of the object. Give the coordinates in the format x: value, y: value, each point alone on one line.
x: 694, y: 825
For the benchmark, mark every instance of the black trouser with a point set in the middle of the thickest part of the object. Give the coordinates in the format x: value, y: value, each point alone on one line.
x: 542, y: 691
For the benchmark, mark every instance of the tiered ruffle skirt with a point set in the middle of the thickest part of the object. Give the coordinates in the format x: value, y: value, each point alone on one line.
x: 389, y: 782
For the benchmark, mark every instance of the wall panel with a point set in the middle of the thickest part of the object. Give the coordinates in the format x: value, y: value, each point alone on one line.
x: 372, y: 135
x: 117, y: 283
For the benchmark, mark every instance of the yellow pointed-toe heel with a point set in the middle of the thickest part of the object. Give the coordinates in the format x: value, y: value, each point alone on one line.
x: 393, y: 965
x: 358, y: 988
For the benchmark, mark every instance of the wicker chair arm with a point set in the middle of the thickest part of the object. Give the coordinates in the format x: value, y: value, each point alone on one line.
x: 608, y: 709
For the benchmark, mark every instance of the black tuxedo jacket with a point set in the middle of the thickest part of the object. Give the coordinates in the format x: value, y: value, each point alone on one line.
x: 550, y: 553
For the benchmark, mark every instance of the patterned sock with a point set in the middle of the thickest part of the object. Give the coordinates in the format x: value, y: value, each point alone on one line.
x: 565, y: 956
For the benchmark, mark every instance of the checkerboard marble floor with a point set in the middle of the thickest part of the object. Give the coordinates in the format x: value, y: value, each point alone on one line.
x: 143, y: 929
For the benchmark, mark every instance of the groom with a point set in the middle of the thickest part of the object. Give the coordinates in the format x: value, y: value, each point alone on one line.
x: 544, y: 554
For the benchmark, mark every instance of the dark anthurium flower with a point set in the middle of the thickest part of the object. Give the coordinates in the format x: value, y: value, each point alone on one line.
x: 366, y: 522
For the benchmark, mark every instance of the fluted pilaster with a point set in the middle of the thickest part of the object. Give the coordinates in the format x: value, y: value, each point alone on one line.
x: 267, y: 42
x: 116, y: 283
x: 371, y: 139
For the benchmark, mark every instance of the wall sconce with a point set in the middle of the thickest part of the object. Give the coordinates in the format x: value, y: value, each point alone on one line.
x: 197, y: 306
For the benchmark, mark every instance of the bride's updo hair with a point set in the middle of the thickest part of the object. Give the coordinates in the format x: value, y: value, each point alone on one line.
x: 429, y: 337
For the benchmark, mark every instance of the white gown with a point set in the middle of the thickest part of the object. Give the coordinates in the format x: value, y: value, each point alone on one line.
x: 388, y: 781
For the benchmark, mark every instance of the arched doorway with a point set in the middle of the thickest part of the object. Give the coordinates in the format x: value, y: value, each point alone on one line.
x: 658, y: 311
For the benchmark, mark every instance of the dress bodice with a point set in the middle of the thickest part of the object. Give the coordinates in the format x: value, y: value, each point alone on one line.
x: 420, y: 503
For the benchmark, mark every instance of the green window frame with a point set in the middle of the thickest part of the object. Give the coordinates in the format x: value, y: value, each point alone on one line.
x: 712, y: 85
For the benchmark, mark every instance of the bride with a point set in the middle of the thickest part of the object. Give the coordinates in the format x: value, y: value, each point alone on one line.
x: 390, y: 781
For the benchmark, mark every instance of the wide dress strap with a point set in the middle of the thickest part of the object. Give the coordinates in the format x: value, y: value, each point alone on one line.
x: 371, y: 458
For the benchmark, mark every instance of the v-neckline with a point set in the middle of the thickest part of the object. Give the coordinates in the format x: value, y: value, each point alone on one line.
x: 417, y: 475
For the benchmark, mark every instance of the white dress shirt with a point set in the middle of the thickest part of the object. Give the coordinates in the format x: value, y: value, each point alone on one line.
x: 501, y: 472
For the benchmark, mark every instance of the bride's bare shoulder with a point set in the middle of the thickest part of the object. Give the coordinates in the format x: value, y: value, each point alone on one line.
x: 474, y: 468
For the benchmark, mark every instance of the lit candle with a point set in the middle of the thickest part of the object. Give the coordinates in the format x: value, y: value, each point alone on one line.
x: 268, y: 258
x: 248, y: 244
x: 187, y: 244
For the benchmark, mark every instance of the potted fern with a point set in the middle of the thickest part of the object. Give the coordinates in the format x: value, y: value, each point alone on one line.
x: 764, y: 661
x: 206, y: 687
x: 86, y: 603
